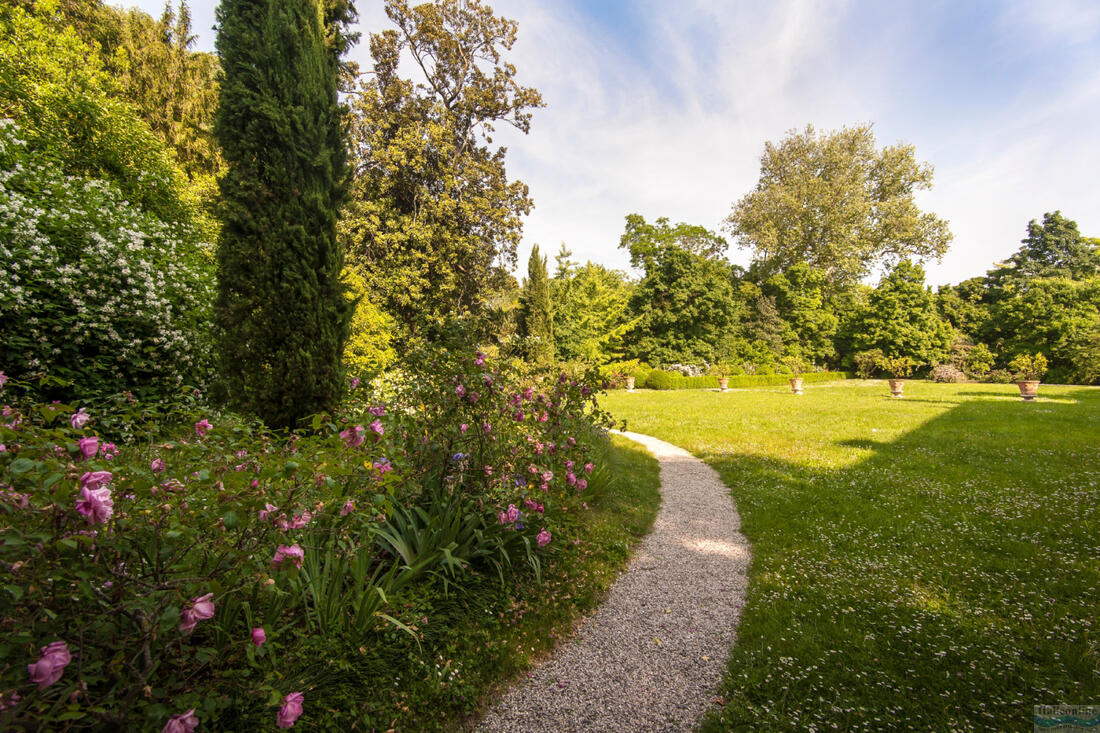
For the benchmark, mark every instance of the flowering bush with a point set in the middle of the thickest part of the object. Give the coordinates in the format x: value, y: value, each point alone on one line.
x: 946, y: 373
x: 157, y: 583
x: 97, y: 292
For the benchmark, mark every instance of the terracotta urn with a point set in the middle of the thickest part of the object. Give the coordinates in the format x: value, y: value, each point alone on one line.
x: 723, y: 383
x: 1028, y: 389
x: 630, y: 384
x: 796, y: 385
x: 896, y: 385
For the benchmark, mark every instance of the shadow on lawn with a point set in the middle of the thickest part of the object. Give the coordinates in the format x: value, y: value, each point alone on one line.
x: 950, y: 572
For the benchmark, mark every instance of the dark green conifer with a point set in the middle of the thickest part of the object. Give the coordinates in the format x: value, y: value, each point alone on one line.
x: 281, y: 313
x: 536, y: 313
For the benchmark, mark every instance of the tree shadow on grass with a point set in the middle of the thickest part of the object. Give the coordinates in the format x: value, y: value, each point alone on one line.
x: 946, y: 581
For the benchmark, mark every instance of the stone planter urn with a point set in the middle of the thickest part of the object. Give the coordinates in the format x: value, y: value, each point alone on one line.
x: 896, y: 385
x: 796, y: 385
x: 723, y: 383
x: 630, y: 384
x: 1028, y: 389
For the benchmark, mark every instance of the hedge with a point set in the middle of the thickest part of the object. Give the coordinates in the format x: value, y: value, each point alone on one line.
x: 657, y: 379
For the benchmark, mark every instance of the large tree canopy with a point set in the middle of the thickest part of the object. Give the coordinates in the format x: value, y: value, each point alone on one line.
x: 839, y: 203
x: 434, y: 220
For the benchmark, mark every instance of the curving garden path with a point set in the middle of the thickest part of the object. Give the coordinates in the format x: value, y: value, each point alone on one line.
x: 650, y: 658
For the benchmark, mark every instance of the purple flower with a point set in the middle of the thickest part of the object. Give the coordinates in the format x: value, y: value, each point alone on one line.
x: 571, y: 478
x: 518, y: 415
x: 79, y: 419
x: 543, y: 538
x: 376, y: 426
x: 288, y: 553
x: 259, y: 636
x: 512, y: 513
x: 582, y: 484
x: 528, y: 393
x: 547, y: 476
x: 202, y: 426
x: 479, y: 360
x: 473, y: 397
x: 378, y: 410
x: 182, y: 723
x: 95, y: 504
x: 460, y: 390
x: 3, y: 379
x: 543, y: 417
x: 157, y: 465
x: 348, y: 508
x: 88, y: 446
x: 463, y: 427
x: 354, y: 382
x: 49, y: 668
x: 353, y: 437
x: 110, y: 450
x: 95, y: 479
x: 291, y: 710
x: 589, y: 467
x: 199, y: 609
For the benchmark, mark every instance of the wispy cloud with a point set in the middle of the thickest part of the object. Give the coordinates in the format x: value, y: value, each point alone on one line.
x: 663, y: 108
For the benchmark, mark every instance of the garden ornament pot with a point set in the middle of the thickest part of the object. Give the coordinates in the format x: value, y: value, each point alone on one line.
x: 630, y: 384
x: 896, y: 385
x: 796, y: 385
x: 723, y: 383
x: 1028, y: 389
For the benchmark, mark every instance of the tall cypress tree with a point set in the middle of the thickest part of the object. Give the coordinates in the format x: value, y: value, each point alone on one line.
x: 536, y: 314
x: 281, y: 314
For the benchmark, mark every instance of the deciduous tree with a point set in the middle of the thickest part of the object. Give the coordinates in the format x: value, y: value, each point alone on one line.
x: 839, y: 203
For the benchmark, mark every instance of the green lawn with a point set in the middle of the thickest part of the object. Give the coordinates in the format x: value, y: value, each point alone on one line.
x: 931, y: 562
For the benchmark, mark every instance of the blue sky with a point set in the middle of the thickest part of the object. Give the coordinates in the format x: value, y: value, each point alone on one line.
x: 663, y: 108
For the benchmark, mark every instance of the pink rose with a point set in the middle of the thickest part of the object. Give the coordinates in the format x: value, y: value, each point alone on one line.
x: 582, y: 484
x: 547, y: 476
x: 463, y: 427
x: 292, y: 553
x: 348, y: 508
x: 51, y: 666
x: 182, y: 723
x: 259, y: 636
x: 353, y: 437
x: 291, y: 710
x: 354, y: 382
x: 543, y: 538
x: 199, y: 609
x: 88, y: 446
x: 93, y: 480
x: 571, y: 478
x: 202, y: 426
x: 589, y: 467
x: 460, y: 391
x: 528, y: 393
x: 513, y: 513
x: 479, y: 360
x: 376, y: 426
x: 95, y: 504
x: 158, y: 465
x: 79, y: 419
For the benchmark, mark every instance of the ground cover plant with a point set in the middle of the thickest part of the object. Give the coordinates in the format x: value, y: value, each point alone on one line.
x: 196, y: 564
x: 926, y: 563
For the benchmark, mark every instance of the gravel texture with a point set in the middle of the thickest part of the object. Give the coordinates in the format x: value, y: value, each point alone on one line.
x: 650, y: 658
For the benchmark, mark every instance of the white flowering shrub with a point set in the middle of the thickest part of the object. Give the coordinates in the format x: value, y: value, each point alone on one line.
x: 95, y: 290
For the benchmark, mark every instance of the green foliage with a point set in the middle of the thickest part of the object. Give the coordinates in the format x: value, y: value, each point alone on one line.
x: 590, y: 312
x: 901, y: 319
x: 434, y: 220
x: 867, y: 362
x: 1028, y: 366
x: 979, y: 360
x: 838, y: 203
x: 205, y: 510
x: 536, y: 315
x: 369, y: 348
x: 799, y: 298
x: 647, y: 242
x: 897, y: 366
x: 56, y: 87
x: 685, y: 304
x: 101, y: 296
x: 281, y: 313
x: 662, y: 380
x: 1054, y: 248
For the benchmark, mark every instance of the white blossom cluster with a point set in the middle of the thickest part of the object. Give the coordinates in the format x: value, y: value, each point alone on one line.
x: 92, y: 287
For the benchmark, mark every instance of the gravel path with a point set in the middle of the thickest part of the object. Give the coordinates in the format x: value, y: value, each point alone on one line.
x: 651, y: 656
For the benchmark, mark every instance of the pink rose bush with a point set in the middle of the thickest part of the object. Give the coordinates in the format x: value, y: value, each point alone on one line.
x: 138, y: 533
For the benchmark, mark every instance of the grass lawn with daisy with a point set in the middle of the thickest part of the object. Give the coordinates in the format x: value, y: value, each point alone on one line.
x: 931, y: 562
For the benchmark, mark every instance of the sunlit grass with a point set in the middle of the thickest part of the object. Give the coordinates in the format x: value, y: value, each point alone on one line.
x: 931, y: 562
